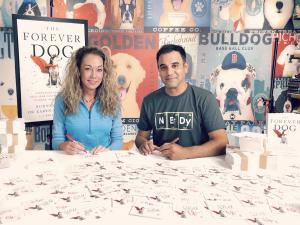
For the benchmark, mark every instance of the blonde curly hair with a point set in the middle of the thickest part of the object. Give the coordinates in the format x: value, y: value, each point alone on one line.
x: 107, y: 92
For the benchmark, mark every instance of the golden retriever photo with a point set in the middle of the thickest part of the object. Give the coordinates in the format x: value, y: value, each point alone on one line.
x: 130, y: 75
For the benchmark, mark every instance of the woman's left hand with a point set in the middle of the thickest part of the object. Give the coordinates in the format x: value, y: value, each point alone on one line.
x: 99, y: 149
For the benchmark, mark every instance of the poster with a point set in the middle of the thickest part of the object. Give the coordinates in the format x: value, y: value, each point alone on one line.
x: 96, y: 12
x: 133, y: 56
x: 236, y: 67
x: 42, y: 49
x: 8, y: 99
x: 21, y: 7
x: 177, y: 16
x: 128, y: 15
x: 288, y: 55
x: 252, y: 15
x: 282, y: 102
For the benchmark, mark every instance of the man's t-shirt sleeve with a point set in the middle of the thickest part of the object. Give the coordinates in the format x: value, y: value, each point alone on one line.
x: 144, y: 121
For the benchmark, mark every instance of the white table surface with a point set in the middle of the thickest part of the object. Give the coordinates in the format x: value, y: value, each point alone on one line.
x: 123, y: 187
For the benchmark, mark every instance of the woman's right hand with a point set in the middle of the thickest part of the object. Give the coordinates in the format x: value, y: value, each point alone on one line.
x: 72, y: 148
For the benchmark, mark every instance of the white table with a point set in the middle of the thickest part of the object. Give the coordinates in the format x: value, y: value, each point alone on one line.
x: 119, y: 187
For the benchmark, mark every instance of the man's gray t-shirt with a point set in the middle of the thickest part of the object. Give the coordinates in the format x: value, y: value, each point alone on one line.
x: 189, y: 116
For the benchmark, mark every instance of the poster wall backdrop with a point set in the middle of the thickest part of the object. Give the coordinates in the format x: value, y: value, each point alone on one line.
x: 42, y: 48
x: 209, y: 30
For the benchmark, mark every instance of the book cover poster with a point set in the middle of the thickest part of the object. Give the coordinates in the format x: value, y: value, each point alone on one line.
x: 230, y: 65
x: 282, y: 102
x: 288, y: 55
x: 96, y: 12
x: 177, y: 15
x: 8, y: 99
x: 283, y: 131
x: 21, y: 7
x: 42, y: 49
x: 133, y: 55
x: 190, y: 42
x: 128, y: 15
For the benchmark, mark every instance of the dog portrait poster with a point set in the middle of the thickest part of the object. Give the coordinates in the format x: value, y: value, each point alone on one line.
x: 229, y: 66
x: 282, y: 102
x: 288, y: 55
x: 133, y: 56
x: 42, y: 48
x: 128, y: 14
x: 21, y: 7
x: 8, y: 99
x: 227, y: 15
x: 96, y: 12
x: 177, y: 13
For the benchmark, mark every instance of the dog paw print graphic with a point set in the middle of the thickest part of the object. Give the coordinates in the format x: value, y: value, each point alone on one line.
x: 199, y: 7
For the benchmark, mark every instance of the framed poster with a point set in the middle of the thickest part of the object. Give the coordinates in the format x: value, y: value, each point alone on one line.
x: 42, y: 48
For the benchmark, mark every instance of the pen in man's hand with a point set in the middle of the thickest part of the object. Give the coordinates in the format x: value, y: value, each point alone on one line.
x: 172, y: 142
x: 69, y: 137
x: 175, y: 140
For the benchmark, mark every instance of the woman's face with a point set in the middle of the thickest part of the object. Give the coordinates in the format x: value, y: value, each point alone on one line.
x: 91, y: 72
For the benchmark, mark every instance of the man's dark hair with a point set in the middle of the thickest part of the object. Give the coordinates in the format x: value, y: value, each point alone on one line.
x: 170, y: 48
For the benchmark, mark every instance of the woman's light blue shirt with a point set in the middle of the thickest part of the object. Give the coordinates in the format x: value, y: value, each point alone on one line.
x: 90, y: 128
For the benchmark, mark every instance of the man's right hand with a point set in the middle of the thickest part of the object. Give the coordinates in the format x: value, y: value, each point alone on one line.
x: 147, y: 148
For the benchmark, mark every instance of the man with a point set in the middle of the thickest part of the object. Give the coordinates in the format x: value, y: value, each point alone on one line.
x: 185, y: 120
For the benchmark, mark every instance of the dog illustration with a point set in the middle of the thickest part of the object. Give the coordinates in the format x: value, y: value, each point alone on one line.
x: 51, y: 68
x: 282, y: 135
x: 287, y: 106
x: 130, y: 74
x: 177, y: 13
x: 91, y: 10
x: 29, y: 8
x: 290, y: 59
x: 233, y: 81
x: 254, y: 14
x: 127, y: 14
x: 228, y: 15
x: 278, y: 14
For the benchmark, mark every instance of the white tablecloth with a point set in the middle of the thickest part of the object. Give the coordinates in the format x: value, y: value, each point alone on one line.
x: 120, y: 187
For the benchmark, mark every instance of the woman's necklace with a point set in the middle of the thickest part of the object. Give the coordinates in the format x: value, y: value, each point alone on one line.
x: 87, y: 101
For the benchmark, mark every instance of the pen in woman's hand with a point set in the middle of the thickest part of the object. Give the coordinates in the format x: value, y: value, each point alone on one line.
x: 69, y: 137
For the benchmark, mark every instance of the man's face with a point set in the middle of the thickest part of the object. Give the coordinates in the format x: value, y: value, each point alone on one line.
x: 172, y: 70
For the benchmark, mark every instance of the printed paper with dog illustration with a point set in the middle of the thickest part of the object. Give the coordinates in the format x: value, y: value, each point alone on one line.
x: 8, y: 100
x: 189, y: 14
x: 43, y: 47
x: 96, y: 12
x: 230, y: 66
x: 127, y: 14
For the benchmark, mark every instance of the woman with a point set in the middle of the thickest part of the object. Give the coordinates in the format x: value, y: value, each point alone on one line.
x: 87, y: 110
